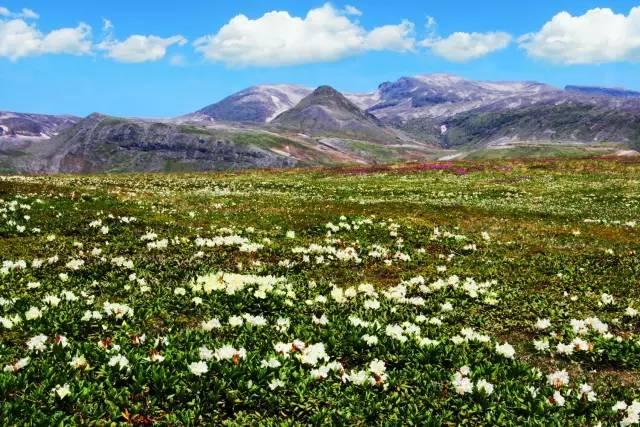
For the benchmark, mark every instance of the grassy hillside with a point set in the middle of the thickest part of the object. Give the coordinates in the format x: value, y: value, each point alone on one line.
x: 464, y: 293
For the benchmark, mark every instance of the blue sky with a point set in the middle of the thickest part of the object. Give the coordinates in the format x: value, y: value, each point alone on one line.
x: 352, y: 45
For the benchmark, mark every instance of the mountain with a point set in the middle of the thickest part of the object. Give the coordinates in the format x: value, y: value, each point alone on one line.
x: 443, y: 95
x: 603, y: 91
x: 414, y: 118
x: 39, y: 126
x: 326, y: 112
x: 456, y: 113
x: 257, y: 104
x: 102, y: 143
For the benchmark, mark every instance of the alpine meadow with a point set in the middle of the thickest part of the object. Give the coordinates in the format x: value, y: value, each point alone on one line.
x: 320, y: 214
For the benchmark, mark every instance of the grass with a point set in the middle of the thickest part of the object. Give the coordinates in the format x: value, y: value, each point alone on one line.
x: 543, y: 239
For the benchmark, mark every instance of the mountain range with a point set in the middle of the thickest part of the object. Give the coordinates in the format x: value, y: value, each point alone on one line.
x: 413, y: 118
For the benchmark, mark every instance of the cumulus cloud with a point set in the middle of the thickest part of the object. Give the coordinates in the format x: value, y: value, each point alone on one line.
x: 598, y: 36
x: 277, y: 38
x: 462, y: 47
x: 139, y: 48
x: 19, y: 39
x: 392, y: 37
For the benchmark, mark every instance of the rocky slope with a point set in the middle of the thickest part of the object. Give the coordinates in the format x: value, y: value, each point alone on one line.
x: 453, y: 112
x: 326, y: 112
x: 101, y: 143
x: 41, y: 126
x: 257, y: 104
x: 603, y: 91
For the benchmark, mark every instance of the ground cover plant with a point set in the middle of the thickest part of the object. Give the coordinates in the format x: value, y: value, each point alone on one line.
x: 486, y: 293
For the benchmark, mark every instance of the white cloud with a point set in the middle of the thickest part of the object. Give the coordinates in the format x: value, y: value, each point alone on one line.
x: 24, y: 13
x: 277, y: 38
x: 74, y: 41
x: 138, y: 48
x: 462, y: 47
x: 392, y: 37
x: 29, y: 14
x: 19, y: 39
x: 107, y: 25
x: 352, y: 10
x: 598, y: 36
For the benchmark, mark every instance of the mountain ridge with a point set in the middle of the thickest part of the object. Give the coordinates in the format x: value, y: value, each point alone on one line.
x: 412, y: 118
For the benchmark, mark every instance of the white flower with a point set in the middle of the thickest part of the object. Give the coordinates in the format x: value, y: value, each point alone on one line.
x: 61, y: 391
x: 211, y: 324
x: 204, y: 353
x: 180, y: 291
x: 117, y: 310
x: 322, y: 320
x: 198, y: 368
x: 505, y: 350
x: 619, y: 406
x: 33, y: 313
x: 541, y: 345
x: 543, y: 324
x: 564, y: 349
x: 17, y: 366
x: 558, y: 399
x: 485, y: 387
x: 587, y: 390
x: 312, y: 354
x: 377, y: 367
x: 236, y: 321
x: 37, y: 343
x: 370, y: 339
x: 606, y: 299
x: 276, y: 383
x: 462, y: 384
x: 52, y: 300
x: 6, y: 323
x: 226, y: 352
x: 358, y: 377
x: 631, y: 312
x: 396, y: 332
x: 119, y: 361
x: 272, y: 363
x: 79, y: 362
x: 558, y: 379
x: 155, y: 357
x: 372, y: 304
x: 61, y: 340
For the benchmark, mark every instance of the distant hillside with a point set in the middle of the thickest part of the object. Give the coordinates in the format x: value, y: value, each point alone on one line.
x: 326, y: 112
x: 414, y: 118
x: 25, y: 125
x: 257, y: 104
x: 603, y: 91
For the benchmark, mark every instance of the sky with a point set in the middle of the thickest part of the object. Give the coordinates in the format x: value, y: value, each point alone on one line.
x: 161, y: 59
